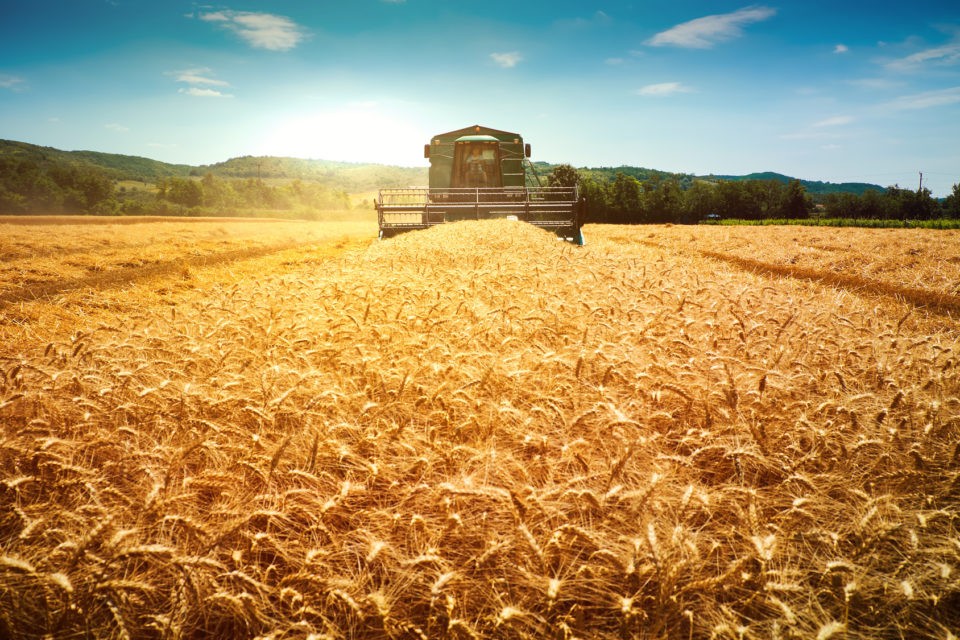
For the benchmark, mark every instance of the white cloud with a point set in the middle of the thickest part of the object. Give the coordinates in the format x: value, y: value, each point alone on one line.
x: 507, y: 60
x: 198, y: 76
x: 259, y: 30
x: 841, y: 48
x: 200, y: 82
x: 944, y: 56
x: 614, y: 61
x: 705, y: 32
x: 835, y: 121
x: 663, y: 89
x: 13, y: 83
x: 119, y: 128
x: 926, y: 99
x: 204, y: 93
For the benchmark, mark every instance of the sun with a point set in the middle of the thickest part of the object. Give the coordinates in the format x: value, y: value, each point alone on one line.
x: 355, y: 133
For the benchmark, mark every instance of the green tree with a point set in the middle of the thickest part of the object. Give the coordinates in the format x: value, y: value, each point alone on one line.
x: 11, y: 202
x: 731, y: 199
x: 873, y: 205
x: 597, y: 195
x: 217, y: 194
x: 662, y: 200
x: 952, y: 205
x: 83, y: 187
x: 699, y: 201
x: 910, y: 205
x: 185, y: 192
x: 795, y: 202
x: 564, y: 175
x: 626, y: 204
x: 31, y: 186
x: 761, y: 198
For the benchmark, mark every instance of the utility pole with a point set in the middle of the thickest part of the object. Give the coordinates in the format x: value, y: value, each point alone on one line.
x: 920, y: 188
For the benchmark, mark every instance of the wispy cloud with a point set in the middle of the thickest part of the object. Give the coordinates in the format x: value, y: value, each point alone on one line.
x: 831, y: 128
x: 198, y: 76
x: 926, y: 99
x: 200, y: 80
x: 835, y: 121
x: 704, y: 33
x: 119, y: 128
x: 259, y: 30
x: 199, y: 92
x: 663, y: 89
x: 12, y: 83
x: 841, y: 48
x: 507, y: 60
x: 943, y: 56
x: 598, y: 19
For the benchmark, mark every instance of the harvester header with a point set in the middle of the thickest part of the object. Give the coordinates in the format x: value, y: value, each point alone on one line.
x: 480, y: 173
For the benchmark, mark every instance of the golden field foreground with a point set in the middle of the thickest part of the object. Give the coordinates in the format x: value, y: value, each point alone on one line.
x: 478, y: 431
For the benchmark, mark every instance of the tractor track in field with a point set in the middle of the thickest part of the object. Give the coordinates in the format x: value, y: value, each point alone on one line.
x: 120, y: 277
x: 943, y: 304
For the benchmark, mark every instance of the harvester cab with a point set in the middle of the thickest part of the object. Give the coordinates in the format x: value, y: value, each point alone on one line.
x: 476, y: 163
x: 479, y: 173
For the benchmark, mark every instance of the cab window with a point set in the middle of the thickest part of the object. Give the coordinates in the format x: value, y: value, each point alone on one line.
x: 477, y: 165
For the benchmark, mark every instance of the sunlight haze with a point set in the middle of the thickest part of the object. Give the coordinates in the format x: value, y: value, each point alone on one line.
x: 832, y: 91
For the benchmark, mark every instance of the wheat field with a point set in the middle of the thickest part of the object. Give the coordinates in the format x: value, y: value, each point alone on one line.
x: 477, y: 431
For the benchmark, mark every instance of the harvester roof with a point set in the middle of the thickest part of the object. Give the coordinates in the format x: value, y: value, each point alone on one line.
x: 476, y: 139
x: 477, y: 130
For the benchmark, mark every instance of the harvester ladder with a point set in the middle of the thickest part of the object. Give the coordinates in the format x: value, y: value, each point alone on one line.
x: 533, y: 171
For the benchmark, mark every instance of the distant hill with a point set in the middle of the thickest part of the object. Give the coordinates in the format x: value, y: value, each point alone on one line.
x: 812, y: 186
x: 116, y: 166
x: 349, y: 176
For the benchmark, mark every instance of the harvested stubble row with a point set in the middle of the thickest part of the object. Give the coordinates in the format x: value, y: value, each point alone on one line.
x: 914, y: 258
x: 478, y: 431
x: 72, y: 254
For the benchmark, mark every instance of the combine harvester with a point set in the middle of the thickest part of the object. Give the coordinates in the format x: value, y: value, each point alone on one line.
x: 480, y: 173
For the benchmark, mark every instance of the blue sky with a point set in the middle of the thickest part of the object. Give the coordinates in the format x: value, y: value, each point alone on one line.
x: 822, y: 90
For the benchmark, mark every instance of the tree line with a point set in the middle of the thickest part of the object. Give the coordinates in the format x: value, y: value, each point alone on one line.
x: 662, y: 199
x: 28, y: 186
x: 214, y: 195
